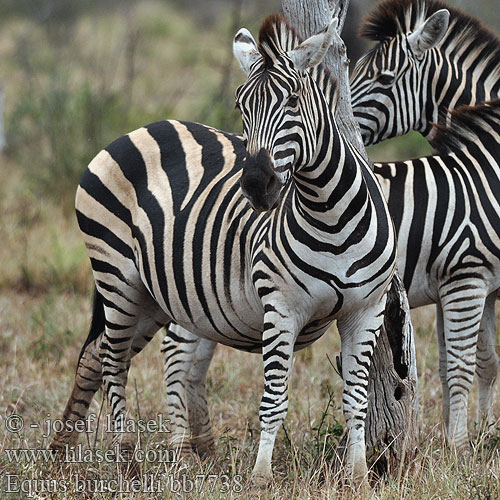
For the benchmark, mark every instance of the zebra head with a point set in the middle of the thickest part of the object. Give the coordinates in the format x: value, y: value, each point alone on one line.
x: 280, y: 105
x: 390, y: 87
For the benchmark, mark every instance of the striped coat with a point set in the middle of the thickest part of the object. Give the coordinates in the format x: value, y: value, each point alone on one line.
x: 258, y: 244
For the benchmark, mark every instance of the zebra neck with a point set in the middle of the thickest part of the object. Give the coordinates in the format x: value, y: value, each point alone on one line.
x: 455, y: 80
x: 331, y: 189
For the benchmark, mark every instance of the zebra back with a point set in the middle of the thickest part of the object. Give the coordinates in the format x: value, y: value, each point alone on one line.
x: 467, y: 125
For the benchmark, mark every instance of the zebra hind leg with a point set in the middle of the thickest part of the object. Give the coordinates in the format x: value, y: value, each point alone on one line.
x: 199, y: 419
x: 125, y: 330
x: 88, y: 377
x: 186, y: 359
x: 88, y: 380
x: 462, y: 313
x: 487, y: 363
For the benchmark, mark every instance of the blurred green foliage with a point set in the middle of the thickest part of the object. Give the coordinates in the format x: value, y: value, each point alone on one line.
x: 60, y: 130
x: 412, y: 145
x: 76, y: 79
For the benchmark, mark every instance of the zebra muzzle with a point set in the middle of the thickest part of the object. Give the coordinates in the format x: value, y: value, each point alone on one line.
x: 259, y: 183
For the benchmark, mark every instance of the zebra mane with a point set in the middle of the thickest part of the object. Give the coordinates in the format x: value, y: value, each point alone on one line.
x: 464, y: 125
x: 277, y: 36
x: 393, y: 17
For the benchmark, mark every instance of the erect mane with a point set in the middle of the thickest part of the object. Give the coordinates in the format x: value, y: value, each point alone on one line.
x: 464, y: 125
x: 277, y: 36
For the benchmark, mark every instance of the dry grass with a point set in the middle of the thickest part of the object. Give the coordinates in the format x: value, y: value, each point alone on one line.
x: 40, y: 339
x: 40, y: 336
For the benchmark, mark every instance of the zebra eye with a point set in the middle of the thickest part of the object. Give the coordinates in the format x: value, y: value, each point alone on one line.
x: 386, y: 78
x: 293, y: 100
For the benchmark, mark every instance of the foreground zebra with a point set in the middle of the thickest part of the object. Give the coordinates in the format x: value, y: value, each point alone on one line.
x: 174, y: 244
x: 419, y: 70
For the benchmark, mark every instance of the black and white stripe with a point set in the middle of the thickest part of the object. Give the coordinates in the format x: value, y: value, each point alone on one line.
x: 446, y: 210
x: 390, y: 62
x: 398, y: 87
x: 172, y: 240
x: 430, y: 59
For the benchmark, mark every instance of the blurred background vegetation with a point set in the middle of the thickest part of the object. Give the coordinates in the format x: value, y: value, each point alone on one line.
x: 78, y: 74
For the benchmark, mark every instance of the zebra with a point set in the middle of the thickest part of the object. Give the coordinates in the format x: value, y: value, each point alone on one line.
x: 445, y: 210
x: 456, y: 261
x: 430, y: 59
x: 228, y: 241
x: 459, y: 65
x: 192, y: 357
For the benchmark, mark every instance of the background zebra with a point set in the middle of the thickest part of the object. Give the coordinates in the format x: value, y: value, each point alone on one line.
x: 170, y: 243
x: 394, y: 90
x: 446, y: 213
x: 430, y: 58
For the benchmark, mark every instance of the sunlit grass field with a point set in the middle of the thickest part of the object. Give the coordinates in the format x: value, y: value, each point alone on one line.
x: 66, y: 100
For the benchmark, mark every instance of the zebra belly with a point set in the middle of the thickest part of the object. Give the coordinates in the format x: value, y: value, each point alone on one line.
x: 449, y: 269
x: 234, y: 316
x: 250, y: 340
x: 240, y: 328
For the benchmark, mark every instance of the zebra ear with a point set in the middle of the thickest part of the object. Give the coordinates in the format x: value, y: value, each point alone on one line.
x: 430, y: 33
x: 245, y: 50
x: 312, y: 51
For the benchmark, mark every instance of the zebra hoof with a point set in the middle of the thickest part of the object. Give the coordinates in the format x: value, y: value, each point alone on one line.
x: 204, y: 449
x: 183, y: 449
x: 58, y: 446
x: 461, y: 447
x: 360, y: 487
x: 62, y: 440
x: 357, y: 476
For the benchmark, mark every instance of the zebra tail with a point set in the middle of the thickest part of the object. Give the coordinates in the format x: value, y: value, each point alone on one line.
x: 97, y: 324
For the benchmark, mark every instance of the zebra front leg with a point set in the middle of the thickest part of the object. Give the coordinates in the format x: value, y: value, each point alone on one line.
x: 186, y: 358
x: 278, y: 340
x: 487, y: 362
x: 462, y: 313
x: 358, y: 332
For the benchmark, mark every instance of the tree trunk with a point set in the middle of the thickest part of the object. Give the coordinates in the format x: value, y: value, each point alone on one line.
x: 391, y: 429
